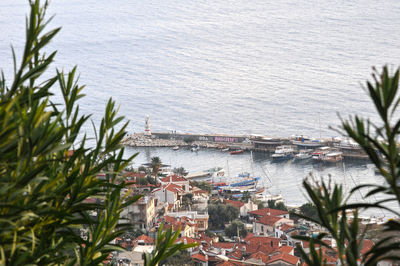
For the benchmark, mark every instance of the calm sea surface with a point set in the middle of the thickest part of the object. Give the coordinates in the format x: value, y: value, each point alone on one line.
x: 261, y: 67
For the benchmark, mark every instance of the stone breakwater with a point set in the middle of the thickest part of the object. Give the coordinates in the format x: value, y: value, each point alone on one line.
x: 185, y: 140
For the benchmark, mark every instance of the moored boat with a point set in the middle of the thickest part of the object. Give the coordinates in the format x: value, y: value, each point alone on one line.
x: 320, y: 153
x: 282, y: 153
x: 332, y: 157
x: 303, y: 155
x: 236, y: 152
x: 175, y: 148
x: 195, y: 148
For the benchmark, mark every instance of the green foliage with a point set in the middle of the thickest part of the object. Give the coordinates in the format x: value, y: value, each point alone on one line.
x: 235, y: 228
x: 379, y: 141
x: 165, y: 246
x: 180, y: 171
x: 55, y: 209
x: 47, y: 171
x: 272, y: 204
x: 309, y: 210
x: 155, y: 165
x: 188, y: 139
x: 179, y: 258
x: 204, y: 186
x: 246, y: 196
x: 218, y: 221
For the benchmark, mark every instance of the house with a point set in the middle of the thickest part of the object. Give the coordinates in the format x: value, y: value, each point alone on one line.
x: 176, y: 180
x: 141, y: 213
x: 187, y: 226
x: 244, y: 208
x: 200, y: 218
x: 169, y: 193
x: 265, y: 225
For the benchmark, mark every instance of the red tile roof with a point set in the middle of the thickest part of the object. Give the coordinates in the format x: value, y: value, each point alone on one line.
x: 237, y: 204
x: 265, y: 211
x: 199, y: 257
x: 186, y: 239
x: 293, y: 260
x: 366, y: 246
x: 146, y: 239
x: 173, y: 178
x: 260, y: 256
x: 224, y: 245
x: 286, y: 249
x: 286, y: 227
x: 268, y: 220
x: 135, y: 174
x: 260, y: 243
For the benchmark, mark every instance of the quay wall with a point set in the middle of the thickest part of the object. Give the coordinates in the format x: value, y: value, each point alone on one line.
x: 218, y: 138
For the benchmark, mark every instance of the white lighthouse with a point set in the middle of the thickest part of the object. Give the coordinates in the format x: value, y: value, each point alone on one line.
x: 147, y: 131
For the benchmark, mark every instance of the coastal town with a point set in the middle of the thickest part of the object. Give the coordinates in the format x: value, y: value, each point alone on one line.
x: 244, y: 228
x: 232, y: 220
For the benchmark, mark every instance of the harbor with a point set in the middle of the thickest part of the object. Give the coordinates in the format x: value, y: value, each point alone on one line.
x: 235, y: 143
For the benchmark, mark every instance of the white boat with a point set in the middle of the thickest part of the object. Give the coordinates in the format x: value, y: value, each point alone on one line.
x: 332, y: 157
x: 283, y: 152
x: 320, y: 153
x: 175, y: 148
x: 303, y: 155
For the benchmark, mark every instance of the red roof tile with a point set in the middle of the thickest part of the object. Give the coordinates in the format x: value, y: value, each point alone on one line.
x: 199, y: 257
x: 173, y: 178
x: 224, y: 245
x: 265, y: 211
x: 135, y: 174
x: 293, y: 260
x: 286, y: 249
x: 145, y: 238
x: 268, y: 220
x: 286, y: 227
x: 260, y: 256
x: 186, y: 239
x: 237, y: 204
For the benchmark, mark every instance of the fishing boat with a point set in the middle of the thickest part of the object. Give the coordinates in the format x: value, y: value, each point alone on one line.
x: 282, y: 153
x: 320, y: 153
x: 236, y: 152
x: 175, y: 148
x: 303, y: 155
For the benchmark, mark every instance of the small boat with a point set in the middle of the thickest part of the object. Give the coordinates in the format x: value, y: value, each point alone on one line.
x: 283, y: 153
x: 320, y: 153
x: 226, y: 149
x: 195, y: 148
x: 175, y: 148
x: 332, y: 157
x: 236, y: 152
x: 302, y: 155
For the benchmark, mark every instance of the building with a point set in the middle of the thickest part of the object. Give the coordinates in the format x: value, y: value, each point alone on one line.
x: 266, y: 225
x: 142, y: 213
x: 170, y: 193
x: 200, y: 218
x: 176, y: 180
